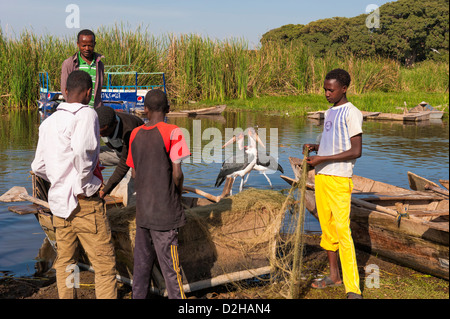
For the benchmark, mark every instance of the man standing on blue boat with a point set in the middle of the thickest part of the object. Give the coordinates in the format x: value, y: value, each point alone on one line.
x: 87, y: 60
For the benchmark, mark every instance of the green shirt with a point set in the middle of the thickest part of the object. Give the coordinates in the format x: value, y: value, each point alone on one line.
x: 91, y: 69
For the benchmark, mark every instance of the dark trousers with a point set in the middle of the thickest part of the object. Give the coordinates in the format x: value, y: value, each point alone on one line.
x: 151, y: 244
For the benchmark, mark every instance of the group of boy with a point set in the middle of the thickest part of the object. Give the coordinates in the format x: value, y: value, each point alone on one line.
x: 68, y: 156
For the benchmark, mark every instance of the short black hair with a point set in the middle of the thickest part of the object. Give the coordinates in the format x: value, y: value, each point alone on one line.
x: 340, y: 75
x: 85, y: 32
x: 78, y: 81
x: 156, y: 100
x: 106, y: 115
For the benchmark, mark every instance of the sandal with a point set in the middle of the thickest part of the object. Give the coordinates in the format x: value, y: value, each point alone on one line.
x: 325, y: 282
x: 352, y: 295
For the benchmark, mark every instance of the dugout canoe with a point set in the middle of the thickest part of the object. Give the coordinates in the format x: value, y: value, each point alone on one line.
x: 405, y: 117
x: 380, y: 116
x: 405, y: 226
x: 424, y: 107
x: 208, y: 111
x: 225, y: 241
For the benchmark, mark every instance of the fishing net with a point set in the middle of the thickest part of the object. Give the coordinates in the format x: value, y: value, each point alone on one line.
x: 289, y: 274
x: 222, y: 238
x: 253, y: 231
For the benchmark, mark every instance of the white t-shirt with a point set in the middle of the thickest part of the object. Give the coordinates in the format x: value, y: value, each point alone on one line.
x: 341, y: 123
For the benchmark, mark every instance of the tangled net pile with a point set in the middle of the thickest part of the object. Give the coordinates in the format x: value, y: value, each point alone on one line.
x: 252, y: 230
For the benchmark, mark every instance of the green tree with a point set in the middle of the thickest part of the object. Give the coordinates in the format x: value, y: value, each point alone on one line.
x: 410, y: 31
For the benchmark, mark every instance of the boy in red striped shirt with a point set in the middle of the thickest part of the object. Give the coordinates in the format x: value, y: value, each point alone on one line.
x: 155, y: 155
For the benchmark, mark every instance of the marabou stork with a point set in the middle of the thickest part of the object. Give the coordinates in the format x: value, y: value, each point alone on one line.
x: 239, y: 164
x: 264, y: 163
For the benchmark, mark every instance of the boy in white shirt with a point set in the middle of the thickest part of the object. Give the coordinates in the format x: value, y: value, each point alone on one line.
x: 340, y: 146
x: 67, y: 156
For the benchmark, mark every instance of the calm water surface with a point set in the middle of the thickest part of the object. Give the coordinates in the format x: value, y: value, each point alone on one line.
x: 390, y: 150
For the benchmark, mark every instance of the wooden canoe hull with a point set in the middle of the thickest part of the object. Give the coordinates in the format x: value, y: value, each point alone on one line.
x: 433, y: 115
x: 421, y: 243
x: 215, y: 110
x: 227, y: 241
x: 411, y: 244
x: 410, y: 117
x: 218, y: 239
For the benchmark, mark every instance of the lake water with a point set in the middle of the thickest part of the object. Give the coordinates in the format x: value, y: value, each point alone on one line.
x: 390, y: 150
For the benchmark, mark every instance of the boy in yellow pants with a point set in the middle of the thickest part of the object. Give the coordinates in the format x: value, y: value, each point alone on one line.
x: 340, y: 146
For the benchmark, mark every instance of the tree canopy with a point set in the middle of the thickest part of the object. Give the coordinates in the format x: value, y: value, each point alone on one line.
x: 408, y: 31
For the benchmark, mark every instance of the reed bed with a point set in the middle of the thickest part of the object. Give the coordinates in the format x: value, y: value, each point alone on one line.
x: 200, y: 68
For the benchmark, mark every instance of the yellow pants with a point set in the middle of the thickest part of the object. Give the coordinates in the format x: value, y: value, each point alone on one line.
x: 333, y: 200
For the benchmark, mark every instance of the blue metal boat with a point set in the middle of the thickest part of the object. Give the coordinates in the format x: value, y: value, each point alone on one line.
x: 117, y: 92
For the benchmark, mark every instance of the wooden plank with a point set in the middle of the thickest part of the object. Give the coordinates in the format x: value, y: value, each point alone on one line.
x: 443, y: 226
x: 288, y: 180
x: 372, y: 206
x: 438, y: 190
x: 429, y: 213
x: 113, y: 200
x: 13, y: 195
x: 213, y: 198
x: 34, y: 200
x: 24, y: 209
x: 396, y: 197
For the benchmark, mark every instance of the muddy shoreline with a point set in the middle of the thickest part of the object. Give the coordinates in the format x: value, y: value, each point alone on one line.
x: 395, y: 282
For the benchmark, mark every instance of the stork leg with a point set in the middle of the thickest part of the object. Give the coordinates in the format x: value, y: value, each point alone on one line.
x: 231, y: 185
x: 242, y: 184
x: 264, y: 173
x: 246, y: 178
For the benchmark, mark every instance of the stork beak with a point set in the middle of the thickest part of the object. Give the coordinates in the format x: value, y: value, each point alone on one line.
x: 232, y: 140
x: 259, y: 140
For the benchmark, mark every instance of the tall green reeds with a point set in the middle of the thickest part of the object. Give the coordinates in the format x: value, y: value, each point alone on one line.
x: 200, y: 68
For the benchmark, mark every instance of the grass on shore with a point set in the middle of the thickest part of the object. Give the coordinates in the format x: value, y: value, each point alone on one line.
x: 200, y: 68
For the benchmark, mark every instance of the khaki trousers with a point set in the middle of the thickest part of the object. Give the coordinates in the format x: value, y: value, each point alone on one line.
x: 88, y: 226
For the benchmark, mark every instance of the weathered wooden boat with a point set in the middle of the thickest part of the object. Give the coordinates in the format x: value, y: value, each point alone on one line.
x: 406, y: 226
x: 406, y: 117
x: 225, y: 239
x: 318, y: 115
x: 424, y: 107
x: 208, y: 111
x: 379, y: 116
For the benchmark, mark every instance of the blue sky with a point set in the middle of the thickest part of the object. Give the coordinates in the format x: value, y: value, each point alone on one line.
x: 248, y: 19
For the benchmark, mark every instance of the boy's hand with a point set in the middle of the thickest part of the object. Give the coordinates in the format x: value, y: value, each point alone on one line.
x: 314, y: 160
x: 311, y: 147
